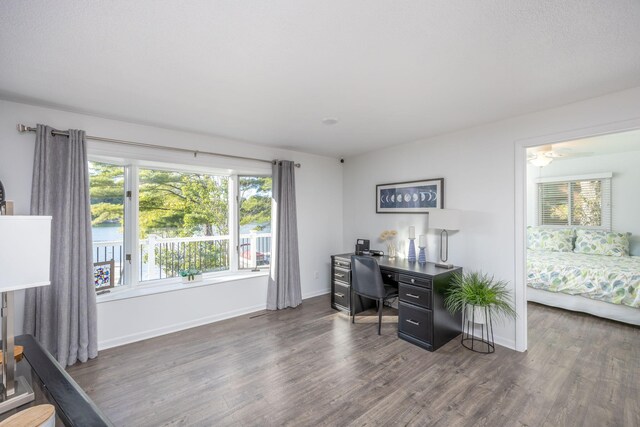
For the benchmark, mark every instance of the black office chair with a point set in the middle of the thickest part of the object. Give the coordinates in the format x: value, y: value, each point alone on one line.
x: 366, y: 281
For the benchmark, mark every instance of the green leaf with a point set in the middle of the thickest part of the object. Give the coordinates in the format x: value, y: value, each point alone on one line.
x: 475, y: 288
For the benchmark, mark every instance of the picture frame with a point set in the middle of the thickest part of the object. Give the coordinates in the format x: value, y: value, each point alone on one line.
x: 103, y: 275
x: 410, y: 197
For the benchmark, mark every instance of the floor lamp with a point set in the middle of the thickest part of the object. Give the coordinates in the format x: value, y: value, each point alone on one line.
x: 25, y: 249
x: 445, y: 220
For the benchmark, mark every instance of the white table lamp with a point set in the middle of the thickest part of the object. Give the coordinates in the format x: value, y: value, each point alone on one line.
x: 25, y: 253
x: 445, y: 220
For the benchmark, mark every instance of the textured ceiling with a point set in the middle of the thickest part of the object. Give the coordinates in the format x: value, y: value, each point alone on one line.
x: 268, y: 72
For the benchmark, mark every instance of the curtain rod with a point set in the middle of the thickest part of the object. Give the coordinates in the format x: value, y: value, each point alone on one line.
x: 22, y: 129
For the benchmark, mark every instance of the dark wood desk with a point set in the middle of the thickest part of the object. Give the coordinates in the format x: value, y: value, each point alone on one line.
x: 422, y: 318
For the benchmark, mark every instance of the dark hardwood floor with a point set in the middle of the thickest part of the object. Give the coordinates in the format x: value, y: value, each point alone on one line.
x: 311, y: 366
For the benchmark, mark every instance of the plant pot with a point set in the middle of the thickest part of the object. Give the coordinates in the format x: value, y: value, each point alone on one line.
x: 192, y: 278
x: 476, y: 314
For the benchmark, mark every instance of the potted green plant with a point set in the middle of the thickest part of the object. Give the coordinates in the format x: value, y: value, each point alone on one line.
x: 191, y: 275
x: 481, y: 299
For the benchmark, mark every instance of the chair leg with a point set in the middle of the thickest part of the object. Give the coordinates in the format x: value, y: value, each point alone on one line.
x: 380, y: 304
x: 353, y: 307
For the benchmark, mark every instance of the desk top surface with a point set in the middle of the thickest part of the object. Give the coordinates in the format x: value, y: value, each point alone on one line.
x: 401, y: 265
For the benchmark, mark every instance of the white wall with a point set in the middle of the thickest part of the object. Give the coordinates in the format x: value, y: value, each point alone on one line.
x: 625, y: 197
x: 319, y: 202
x: 478, y: 167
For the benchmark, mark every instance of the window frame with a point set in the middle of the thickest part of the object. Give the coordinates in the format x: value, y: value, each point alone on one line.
x: 237, y: 210
x: 131, y: 241
x: 606, y: 183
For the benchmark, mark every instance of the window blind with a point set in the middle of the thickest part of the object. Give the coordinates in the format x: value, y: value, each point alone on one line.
x: 582, y: 203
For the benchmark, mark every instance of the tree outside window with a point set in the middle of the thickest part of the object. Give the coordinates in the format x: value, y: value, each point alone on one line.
x: 573, y: 203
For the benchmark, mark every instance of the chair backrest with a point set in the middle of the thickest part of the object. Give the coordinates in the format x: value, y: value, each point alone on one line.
x: 366, y: 278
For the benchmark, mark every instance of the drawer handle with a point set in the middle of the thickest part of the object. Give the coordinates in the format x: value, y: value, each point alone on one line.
x: 413, y: 280
x: 338, y: 294
x: 339, y: 275
x: 413, y: 322
x: 413, y: 296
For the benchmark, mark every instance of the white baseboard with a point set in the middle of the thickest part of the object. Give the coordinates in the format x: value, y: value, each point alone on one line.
x: 316, y: 293
x: 502, y: 341
x: 498, y: 339
x: 152, y: 333
x: 505, y: 342
x: 139, y: 336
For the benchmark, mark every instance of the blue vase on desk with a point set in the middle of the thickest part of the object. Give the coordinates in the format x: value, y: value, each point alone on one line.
x: 422, y: 257
x: 412, y: 251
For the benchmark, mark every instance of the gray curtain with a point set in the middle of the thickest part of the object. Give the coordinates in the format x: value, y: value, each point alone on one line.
x: 284, y: 278
x: 62, y: 317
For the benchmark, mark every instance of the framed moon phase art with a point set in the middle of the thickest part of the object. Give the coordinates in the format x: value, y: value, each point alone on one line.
x: 410, y: 197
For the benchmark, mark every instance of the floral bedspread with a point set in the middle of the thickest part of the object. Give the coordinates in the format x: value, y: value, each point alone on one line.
x: 605, y: 278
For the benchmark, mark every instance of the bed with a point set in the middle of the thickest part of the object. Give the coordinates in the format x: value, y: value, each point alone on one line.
x: 602, y: 285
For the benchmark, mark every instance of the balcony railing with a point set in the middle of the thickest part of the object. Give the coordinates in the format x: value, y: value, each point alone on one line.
x: 161, y: 258
x: 255, y: 250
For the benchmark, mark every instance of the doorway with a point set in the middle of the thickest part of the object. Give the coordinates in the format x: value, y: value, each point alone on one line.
x: 569, y: 151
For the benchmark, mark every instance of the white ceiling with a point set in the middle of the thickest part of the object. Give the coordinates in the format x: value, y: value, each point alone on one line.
x: 268, y: 72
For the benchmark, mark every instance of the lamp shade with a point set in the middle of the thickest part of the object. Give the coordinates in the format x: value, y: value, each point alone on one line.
x: 445, y: 219
x: 25, y: 250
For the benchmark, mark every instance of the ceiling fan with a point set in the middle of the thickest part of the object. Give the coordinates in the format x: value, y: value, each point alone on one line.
x: 543, y: 155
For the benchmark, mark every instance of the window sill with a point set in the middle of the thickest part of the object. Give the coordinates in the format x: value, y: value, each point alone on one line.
x: 176, y: 285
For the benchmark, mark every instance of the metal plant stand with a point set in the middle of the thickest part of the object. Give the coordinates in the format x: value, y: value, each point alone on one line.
x: 485, y: 343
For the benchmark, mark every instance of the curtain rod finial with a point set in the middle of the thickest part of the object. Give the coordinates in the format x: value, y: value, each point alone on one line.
x: 276, y: 161
x: 21, y: 128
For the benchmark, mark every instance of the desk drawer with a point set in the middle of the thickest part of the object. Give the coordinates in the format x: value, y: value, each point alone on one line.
x: 415, y: 295
x: 342, y: 263
x: 389, y: 277
x: 341, y: 294
x: 415, y: 321
x: 342, y: 274
x: 416, y: 281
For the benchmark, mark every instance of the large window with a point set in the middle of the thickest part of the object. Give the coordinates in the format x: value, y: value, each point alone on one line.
x: 581, y: 202
x: 154, y: 224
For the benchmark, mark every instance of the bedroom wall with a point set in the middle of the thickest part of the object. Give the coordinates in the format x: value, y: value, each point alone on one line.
x: 625, y: 203
x: 319, y: 222
x: 478, y: 167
